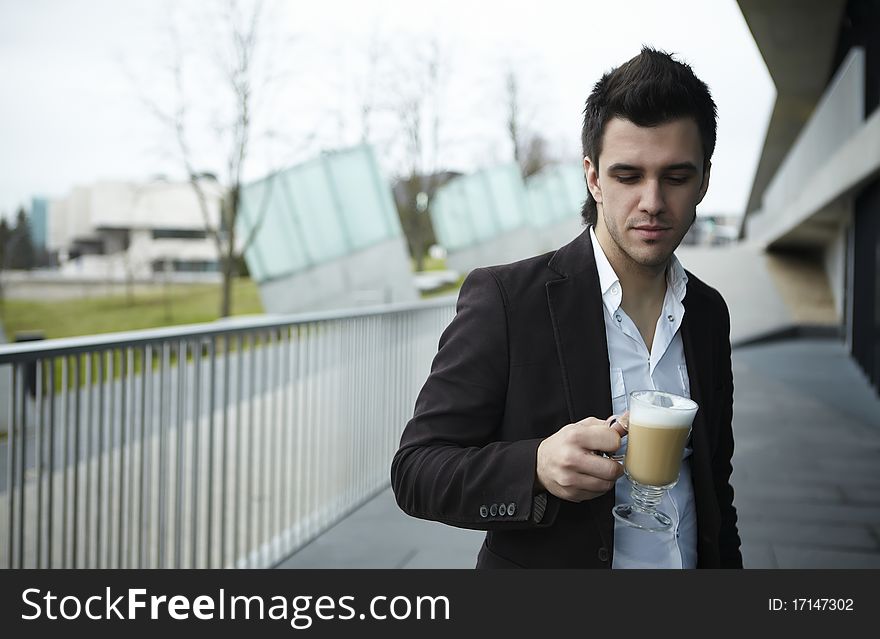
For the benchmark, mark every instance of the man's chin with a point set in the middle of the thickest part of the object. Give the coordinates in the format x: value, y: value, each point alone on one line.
x: 651, y: 259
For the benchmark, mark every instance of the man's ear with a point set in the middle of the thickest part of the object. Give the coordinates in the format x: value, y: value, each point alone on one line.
x: 592, y: 172
x: 705, y: 185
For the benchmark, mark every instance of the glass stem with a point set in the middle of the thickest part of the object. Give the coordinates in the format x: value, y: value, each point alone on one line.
x: 646, y: 498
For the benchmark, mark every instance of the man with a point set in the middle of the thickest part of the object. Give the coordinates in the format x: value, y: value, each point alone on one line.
x: 510, y: 428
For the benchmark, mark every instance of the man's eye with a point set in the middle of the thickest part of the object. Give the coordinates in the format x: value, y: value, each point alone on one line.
x: 676, y: 179
x: 627, y: 179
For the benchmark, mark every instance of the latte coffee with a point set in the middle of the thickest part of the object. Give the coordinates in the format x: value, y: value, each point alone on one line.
x: 659, y: 425
x: 653, y: 454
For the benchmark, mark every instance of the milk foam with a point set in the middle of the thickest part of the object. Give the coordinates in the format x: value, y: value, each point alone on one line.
x: 679, y: 415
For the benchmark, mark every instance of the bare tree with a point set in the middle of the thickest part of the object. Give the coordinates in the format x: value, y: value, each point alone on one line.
x: 237, y: 39
x: 537, y: 155
x: 417, y: 101
x: 529, y: 147
x: 368, y: 88
x: 514, y: 115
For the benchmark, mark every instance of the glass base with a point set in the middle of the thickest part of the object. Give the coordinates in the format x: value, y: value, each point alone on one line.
x: 632, y: 515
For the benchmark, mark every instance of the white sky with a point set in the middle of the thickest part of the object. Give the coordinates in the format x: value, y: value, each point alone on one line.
x: 70, y: 114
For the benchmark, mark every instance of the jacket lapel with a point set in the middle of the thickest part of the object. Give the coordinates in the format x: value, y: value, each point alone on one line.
x: 695, y: 339
x: 575, y: 302
x: 695, y: 350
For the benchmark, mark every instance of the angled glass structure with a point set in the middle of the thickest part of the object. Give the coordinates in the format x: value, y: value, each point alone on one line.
x: 556, y: 195
x: 327, y: 235
x: 483, y: 218
x: 492, y: 216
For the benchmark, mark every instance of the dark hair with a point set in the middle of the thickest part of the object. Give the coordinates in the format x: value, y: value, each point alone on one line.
x: 650, y: 89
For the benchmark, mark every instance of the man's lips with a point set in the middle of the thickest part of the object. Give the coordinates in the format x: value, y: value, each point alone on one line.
x: 651, y: 232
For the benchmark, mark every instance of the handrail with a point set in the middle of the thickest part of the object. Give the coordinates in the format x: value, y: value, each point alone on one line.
x: 28, y: 351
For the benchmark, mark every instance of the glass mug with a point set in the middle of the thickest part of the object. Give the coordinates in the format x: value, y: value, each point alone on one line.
x: 659, y: 426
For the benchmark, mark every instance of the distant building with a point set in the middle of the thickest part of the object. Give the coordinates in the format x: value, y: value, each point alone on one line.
x: 713, y: 230
x: 816, y: 192
x: 39, y: 222
x: 132, y: 230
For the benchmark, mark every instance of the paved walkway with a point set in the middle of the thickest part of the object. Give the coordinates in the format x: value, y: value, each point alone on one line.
x: 806, y: 475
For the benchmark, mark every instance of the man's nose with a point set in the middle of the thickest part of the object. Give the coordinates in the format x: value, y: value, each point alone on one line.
x: 651, y: 198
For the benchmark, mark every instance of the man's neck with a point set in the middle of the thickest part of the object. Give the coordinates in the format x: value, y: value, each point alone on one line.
x: 643, y: 286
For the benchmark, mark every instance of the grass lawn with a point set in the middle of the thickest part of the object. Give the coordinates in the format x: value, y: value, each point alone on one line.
x: 431, y: 264
x: 183, y: 305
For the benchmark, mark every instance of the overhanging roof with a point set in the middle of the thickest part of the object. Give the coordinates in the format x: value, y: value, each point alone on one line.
x: 797, y: 39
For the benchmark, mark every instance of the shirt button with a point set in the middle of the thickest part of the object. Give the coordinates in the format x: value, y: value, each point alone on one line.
x: 614, y: 290
x: 670, y: 318
x: 603, y: 554
x: 484, y: 512
x: 617, y: 317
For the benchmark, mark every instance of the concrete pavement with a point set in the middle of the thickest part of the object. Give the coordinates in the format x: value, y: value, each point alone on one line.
x: 807, y: 463
x: 806, y: 475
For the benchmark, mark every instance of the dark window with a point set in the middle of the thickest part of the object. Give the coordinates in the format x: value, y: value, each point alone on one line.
x: 860, y: 27
x: 866, y: 282
x: 179, y: 234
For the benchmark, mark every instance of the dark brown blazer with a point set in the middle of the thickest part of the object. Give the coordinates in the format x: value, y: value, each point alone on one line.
x: 525, y: 355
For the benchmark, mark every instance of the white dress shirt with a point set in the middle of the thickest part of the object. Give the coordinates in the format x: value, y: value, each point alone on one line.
x: 664, y: 368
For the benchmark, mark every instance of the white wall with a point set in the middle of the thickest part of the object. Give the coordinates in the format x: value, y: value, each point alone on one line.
x: 512, y: 246
x: 128, y: 205
x: 155, y: 205
x: 379, y: 274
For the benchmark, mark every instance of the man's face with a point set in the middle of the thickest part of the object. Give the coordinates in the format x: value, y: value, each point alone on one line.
x: 647, y: 187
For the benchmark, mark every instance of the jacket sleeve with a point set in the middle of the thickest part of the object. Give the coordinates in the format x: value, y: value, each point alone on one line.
x: 451, y: 466
x: 728, y: 541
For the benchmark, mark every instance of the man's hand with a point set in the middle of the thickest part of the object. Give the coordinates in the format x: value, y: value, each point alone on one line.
x: 570, y: 463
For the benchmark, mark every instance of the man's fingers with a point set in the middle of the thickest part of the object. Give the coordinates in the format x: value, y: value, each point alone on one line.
x: 587, y: 437
x: 576, y: 483
x: 579, y: 487
x: 572, y: 464
x: 591, y: 421
x: 599, y: 467
x: 597, y: 437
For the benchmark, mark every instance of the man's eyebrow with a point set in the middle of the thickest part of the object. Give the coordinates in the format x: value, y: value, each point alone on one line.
x: 679, y: 166
x: 619, y: 166
x: 682, y: 166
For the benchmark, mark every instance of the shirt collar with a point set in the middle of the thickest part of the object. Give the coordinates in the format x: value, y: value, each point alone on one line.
x: 609, y: 283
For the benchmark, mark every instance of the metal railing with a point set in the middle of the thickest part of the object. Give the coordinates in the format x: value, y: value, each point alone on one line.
x: 230, y: 444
